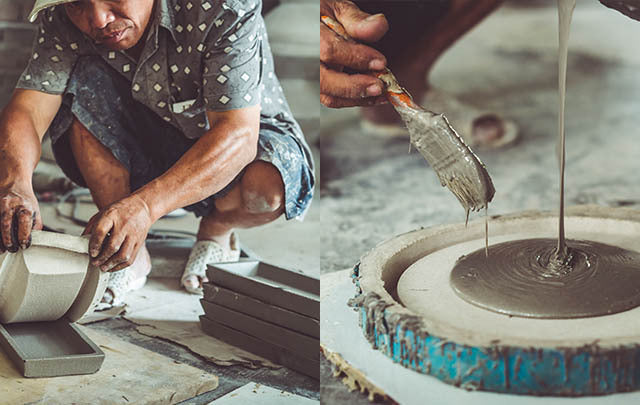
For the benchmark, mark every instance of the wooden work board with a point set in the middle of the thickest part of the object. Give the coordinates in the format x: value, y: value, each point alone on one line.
x: 129, y: 375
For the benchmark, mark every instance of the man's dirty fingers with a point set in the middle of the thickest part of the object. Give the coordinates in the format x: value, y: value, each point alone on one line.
x: 37, y: 221
x: 359, y: 25
x: 335, y: 50
x: 338, y: 88
x: 123, y: 258
x: 23, y: 224
x: 99, y: 234
x: 343, y: 85
x: 6, y: 227
x: 19, y: 215
x: 338, y: 102
x: 110, y: 247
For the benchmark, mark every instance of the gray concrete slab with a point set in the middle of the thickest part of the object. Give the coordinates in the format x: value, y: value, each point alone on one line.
x: 256, y: 393
x: 373, y: 190
x: 230, y: 378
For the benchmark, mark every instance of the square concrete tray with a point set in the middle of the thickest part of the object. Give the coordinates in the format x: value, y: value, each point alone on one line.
x: 295, y: 342
x: 50, y: 349
x: 274, y: 285
x: 262, y: 310
x: 275, y: 353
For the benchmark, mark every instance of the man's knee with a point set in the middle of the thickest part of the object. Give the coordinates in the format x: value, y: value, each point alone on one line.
x: 262, y: 188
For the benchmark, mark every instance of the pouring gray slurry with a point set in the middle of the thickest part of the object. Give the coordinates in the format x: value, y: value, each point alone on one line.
x: 547, y: 278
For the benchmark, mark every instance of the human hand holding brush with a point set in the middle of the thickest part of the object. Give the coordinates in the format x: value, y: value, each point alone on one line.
x: 455, y: 164
x: 344, y: 64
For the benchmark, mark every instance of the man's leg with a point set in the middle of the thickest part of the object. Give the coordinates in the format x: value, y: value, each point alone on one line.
x: 106, y: 178
x: 419, y: 53
x: 257, y: 199
x: 416, y: 63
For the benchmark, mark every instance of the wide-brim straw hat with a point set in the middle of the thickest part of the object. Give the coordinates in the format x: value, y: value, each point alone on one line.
x: 43, y: 4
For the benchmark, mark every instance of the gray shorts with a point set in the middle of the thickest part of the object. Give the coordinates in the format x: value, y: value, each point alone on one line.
x: 100, y: 99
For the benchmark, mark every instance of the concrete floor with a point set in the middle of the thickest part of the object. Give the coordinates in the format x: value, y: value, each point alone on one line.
x: 373, y: 190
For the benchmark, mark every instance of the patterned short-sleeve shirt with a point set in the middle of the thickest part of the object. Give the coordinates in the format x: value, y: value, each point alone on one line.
x: 199, y: 55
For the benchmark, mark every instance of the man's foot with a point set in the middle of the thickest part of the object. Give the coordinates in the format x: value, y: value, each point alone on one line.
x: 205, y: 252
x: 121, y: 282
x: 479, y: 129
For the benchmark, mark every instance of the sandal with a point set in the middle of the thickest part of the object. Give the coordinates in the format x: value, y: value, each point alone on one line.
x: 464, y: 118
x: 205, y: 252
x: 467, y: 119
x: 124, y: 281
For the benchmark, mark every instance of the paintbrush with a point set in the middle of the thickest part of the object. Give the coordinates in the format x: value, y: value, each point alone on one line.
x: 457, y: 167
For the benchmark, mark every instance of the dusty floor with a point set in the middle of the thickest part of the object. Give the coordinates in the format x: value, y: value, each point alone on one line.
x: 372, y: 189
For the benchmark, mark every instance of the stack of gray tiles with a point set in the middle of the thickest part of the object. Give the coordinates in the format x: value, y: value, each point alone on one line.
x: 269, y: 311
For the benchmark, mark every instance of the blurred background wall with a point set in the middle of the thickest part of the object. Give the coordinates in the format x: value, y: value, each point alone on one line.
x: 16, y: 35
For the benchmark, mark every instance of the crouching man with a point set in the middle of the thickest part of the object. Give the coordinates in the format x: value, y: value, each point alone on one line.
x: 154, y: 105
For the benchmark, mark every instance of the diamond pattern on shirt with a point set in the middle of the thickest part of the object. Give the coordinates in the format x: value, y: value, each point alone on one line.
x: 214, y: 53
x: 52, y: 57
x: 233, y: 58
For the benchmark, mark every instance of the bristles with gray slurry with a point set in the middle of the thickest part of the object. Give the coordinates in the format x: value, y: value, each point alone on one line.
x: 455, y: 164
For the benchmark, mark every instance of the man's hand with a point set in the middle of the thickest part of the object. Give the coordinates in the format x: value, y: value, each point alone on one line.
x: 630, y: 8
x: 19, y: 214
x: 339, y: 89
x: 118, y: 232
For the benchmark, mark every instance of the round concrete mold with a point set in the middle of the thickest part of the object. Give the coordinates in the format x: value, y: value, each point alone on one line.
x: 409, y: 312
x: 50, y: 280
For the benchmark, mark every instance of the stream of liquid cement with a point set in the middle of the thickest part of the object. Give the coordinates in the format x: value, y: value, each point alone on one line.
x: 565, y: 12
x: 548, y: 278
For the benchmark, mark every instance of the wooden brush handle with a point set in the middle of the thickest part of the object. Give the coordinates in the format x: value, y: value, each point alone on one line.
x: 397, y: 95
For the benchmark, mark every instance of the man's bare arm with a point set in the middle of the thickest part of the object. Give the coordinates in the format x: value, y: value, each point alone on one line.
x: 212, y: 163
x: 23, y: 123
x: 209, y: 165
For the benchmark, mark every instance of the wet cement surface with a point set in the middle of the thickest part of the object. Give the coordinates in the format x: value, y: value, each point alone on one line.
x: 373, y: 190
x: 521, y: 278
